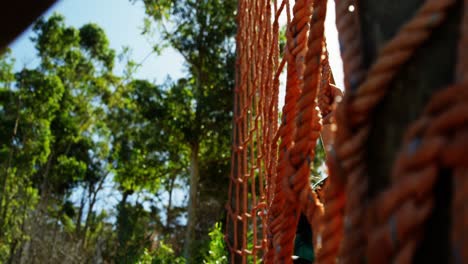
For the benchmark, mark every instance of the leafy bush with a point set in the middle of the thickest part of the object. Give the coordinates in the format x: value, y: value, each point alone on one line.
x: 217, y: 253
x: 162, y: 255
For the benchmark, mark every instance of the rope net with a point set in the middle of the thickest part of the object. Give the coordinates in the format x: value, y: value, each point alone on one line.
x: 272, y: 152
x: 255, y: 123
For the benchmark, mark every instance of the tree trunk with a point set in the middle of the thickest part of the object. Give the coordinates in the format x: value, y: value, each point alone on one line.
x: 80, y: 215
x: 169, y: 203
x: 430, y: 69
x: 92, y: 200
x: 120, y: 222
x: 93, y: 192
x: 192, y: 204
x: 4, y: 201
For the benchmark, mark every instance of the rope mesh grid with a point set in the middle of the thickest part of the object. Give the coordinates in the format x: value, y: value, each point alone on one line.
x: 269, y: 184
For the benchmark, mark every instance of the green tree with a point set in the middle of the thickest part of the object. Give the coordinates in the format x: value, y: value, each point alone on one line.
x: 55, y: 142
x: 25, y: 119
x: 203, y: 33
x: 82, y: 60
x: 143, y: 164
x: 135, y: 235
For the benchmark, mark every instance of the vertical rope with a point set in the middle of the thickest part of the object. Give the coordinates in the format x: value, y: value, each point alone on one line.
x: 282, y: 224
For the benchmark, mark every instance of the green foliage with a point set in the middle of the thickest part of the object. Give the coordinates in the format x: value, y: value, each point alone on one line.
x: 163, y: 254
x: 134, y: 225
x: 94, y: 40
x: 140, y: 146
x: 282, y: 39
x: 22, y: 199
x: 217, y: 253
x: 53, y: 138
x: 7, y: 76
x: 200, y: 104
x: 317, y: 167
x: 20, y: 154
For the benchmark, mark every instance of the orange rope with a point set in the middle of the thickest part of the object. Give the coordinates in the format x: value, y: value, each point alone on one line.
x: 353, y: 118
x: 281, y: 221
x: 455, y: 155
x: 252, y: 155
x: 348, y: 160
x: 308, y: 122
x: 436, y: 140
x: 331, y: 223
x: 293, y: 170
x: 269, y: 184
x: 325, y: 96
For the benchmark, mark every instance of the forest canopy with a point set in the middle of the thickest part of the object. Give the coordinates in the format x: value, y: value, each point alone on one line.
x: 75, y: 135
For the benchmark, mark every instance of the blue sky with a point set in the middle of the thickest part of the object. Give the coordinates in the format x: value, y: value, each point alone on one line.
x: 122, y: 21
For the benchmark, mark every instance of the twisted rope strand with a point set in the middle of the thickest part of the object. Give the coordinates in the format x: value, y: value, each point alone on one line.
x: 354, y: 113
x: 281, y: 242
x: 399, y: 213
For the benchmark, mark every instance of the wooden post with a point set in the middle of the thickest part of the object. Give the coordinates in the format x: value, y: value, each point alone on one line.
x: 430, y: 69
